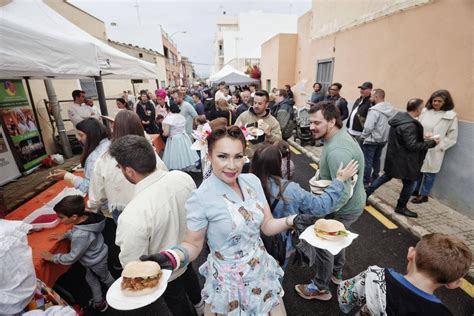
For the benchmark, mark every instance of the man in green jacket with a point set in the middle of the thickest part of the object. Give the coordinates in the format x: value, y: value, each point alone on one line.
x: 339, y: 147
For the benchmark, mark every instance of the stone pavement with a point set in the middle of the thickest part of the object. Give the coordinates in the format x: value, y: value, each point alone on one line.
x: 433, y: 216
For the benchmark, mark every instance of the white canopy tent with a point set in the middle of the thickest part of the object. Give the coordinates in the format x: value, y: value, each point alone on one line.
x: 34, y: 14
x: 29, y: 50
x: 226, y: 70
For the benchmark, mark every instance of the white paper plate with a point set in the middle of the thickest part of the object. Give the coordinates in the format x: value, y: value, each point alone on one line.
x: 260, y: 132
x: 118, y: 300
x: 333, y: 246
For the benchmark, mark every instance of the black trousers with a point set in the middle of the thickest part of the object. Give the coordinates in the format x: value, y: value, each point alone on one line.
x: 174, y: 297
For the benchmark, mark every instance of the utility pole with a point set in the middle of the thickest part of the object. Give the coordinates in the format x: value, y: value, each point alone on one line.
x: 138, y: 12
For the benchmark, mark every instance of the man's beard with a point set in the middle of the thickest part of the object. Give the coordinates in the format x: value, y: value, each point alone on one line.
x: 318, y: 138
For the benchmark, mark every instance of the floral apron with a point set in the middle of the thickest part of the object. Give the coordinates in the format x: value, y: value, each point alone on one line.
x: 241, y: 277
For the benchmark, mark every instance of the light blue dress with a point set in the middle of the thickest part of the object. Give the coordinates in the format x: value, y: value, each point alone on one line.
x: 178, y: 154
x: 241, y: 277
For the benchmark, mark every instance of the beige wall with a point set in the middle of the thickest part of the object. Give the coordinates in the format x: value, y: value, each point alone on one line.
x: 330, y: 16
x: 80, y: 18
x: 409, y: 54
x: 147, y: 55
x: 278, y: 60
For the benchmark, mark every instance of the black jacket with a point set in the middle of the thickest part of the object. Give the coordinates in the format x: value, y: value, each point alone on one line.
x: 406, y: 147
x: 341, y: 104
x: 362, y: 104
x: 142, y: 109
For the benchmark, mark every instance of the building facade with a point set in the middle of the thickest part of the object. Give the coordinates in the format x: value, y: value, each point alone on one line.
x: 409, y: 49
x: 145, y: 54
x: 278, y: 61
x: 172, y: 65
x: 239, y: 39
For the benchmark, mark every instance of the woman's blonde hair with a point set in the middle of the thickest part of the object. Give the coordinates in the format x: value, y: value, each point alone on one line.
x: 222, y: 105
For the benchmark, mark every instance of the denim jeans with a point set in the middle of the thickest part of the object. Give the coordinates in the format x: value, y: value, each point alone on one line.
x: 372, y: 153
x: 326, y: 264
x: 407, y: 190
x: 425, y: 184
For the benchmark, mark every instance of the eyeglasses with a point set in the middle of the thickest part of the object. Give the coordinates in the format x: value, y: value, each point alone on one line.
x: 332, y: 89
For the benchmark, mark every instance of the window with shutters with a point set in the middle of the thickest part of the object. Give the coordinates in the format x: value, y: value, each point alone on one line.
x: 324, y: 72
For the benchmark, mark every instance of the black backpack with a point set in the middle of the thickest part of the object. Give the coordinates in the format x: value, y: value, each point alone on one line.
x: 275, y: 245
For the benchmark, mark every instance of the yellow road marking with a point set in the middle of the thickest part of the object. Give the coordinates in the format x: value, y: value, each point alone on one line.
x: 295, y: 151
x: 315, y: 166
x: 381, y: 218
x: 467, y: 287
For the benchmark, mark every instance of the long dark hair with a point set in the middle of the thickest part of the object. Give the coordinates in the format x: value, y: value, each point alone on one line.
x: 266, y: 164
x: 95, y: 132
x: 445, y: 95
x: 127, y: 123
x: 125, y: 103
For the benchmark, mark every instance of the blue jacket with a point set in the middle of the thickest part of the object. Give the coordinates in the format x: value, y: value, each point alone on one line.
x: 300, y: 201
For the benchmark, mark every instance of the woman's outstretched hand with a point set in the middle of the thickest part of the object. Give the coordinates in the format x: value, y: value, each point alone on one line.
x: 348, y: 172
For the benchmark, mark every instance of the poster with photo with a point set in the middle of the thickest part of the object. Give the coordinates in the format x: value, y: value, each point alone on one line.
x: 20, y: 124
x: 8, y: 168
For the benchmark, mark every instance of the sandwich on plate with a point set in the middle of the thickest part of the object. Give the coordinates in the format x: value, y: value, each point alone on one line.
x: 330, y: 229
x: 140, y: 278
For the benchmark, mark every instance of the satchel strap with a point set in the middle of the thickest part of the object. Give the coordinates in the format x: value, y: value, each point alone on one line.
x: 275, y: 202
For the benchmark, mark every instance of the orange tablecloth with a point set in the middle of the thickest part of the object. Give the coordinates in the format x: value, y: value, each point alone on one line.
x: 157, y: 142
x: 47, y: 272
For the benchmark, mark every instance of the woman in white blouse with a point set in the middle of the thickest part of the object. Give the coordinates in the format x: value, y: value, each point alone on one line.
x: 438, y: 120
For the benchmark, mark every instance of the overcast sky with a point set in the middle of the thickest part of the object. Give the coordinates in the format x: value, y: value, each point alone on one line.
x: 197, y: 18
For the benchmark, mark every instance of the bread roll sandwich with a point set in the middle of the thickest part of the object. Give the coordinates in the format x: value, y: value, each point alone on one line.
x: 330, y: 229
x: 140, y: 278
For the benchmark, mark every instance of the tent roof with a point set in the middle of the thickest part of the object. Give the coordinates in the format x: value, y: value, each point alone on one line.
x: 227, y: 69
x: 28, y: 50
x: 111, y: 62
x: 238, y: 79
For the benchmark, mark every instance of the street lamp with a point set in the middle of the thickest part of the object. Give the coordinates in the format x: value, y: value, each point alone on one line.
x: 182, y: 32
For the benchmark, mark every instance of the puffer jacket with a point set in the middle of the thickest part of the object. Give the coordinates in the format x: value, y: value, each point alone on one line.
x: 284, y: 114
x: 406, y: 147
x: 376, y: 126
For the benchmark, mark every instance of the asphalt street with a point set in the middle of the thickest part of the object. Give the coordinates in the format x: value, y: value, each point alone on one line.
x: 376, y: 245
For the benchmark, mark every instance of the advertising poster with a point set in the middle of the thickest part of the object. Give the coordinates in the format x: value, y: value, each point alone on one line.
x: 8, y: 168
x: 19, y: 124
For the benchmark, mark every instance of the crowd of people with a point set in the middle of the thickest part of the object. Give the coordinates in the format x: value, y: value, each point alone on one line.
x: 158, y: 214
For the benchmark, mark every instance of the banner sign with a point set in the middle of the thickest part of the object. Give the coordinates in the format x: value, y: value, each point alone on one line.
x: 19, y: 124
x: 8, y: 168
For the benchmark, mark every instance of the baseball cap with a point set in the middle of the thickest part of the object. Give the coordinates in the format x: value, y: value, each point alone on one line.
x: 366, y: 85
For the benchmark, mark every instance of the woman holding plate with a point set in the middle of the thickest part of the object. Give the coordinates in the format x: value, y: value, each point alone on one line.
x: 438, y: 120
x: 230, y: 209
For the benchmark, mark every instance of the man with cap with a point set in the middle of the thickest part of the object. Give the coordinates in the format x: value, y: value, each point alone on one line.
x: 356, y: 121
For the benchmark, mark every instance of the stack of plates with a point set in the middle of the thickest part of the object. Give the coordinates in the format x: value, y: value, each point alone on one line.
x: 318, y: 186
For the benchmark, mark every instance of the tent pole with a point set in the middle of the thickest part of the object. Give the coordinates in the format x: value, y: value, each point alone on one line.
x: 53, y: 100
x: 33, y: 106
x: 101, y: 96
